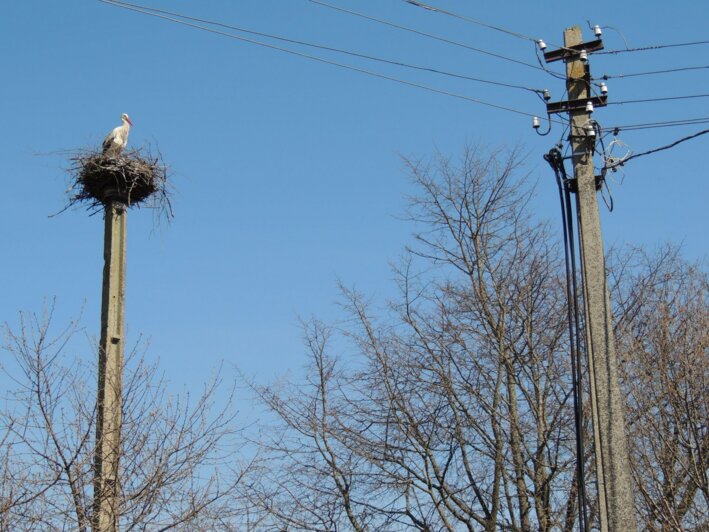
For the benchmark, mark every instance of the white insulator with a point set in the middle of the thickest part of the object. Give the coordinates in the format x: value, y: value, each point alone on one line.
x: 535, y: 122
x: 604, y: 88
x: 589, y: 130
x: 583, y: 56
x: 542, y: 45
x: 547, y: 95
x: 589, y: 107
x: 597, y: 31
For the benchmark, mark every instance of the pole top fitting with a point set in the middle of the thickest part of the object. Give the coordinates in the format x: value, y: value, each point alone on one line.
x: 113, y: 195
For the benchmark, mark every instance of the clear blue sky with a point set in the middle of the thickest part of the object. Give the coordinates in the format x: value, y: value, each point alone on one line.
x: 288, y: 172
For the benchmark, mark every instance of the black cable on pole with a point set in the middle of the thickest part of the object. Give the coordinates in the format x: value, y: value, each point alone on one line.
x: 555, y: 160
x: 667, y: 147
x: 604, y: 170
x: 577, y: 327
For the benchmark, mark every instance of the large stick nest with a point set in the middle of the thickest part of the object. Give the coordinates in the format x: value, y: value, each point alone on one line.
x: 135, y: 178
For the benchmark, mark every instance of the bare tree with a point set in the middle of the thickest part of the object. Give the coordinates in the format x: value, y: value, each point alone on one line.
x: 456, y: 415
x: 663, y: 336
x: 451, y: 409
x: 311, y: 479
x: 178, y: 459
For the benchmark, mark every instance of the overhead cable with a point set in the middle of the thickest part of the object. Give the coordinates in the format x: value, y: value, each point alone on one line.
x: 606, y: 27
x: 653, y: 47
x: 501, y: 29
x: 651, y: 73
x: 661, y: 99
x: 332, y: 49
x: 668, y: 146
x: 472, y: 20
x: 666, y: 123
x: 425, y: 34
x: 147, y: 11
x: 493, y: 27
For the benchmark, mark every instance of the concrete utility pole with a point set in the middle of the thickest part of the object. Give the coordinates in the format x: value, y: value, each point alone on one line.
x: 615, y: 495
x: 110, y: 368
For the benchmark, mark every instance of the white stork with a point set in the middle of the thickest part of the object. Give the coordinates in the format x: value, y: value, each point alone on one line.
x: 117, y: 139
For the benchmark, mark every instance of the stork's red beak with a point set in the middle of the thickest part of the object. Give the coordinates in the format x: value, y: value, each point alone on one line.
x: 129, y: 121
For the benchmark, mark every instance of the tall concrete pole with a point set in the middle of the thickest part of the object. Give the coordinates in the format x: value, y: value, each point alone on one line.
x: 615, y: 495
x: 110, y: 370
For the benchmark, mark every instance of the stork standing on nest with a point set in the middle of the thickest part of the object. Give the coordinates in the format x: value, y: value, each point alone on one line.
x: 117, y: 139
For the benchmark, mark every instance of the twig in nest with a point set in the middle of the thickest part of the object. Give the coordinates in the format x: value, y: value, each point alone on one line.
x: 136, y: 178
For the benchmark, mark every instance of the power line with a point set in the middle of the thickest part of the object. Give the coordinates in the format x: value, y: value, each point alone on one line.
x: 660, y: 126
x: 501, y: 29
x: 651, y: 73
x: 625, y: 41
x: 425, y: 34
x: 653, y: 47
x: 653, y: 125
x: 490, y: 26
x: 472, y: 20
x: 667, y: 147
x: 662, y: 99
x: 147, y: 11
x: 333, y: 49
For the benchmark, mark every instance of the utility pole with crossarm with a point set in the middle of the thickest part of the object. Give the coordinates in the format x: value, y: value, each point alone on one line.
x: 615, y: 495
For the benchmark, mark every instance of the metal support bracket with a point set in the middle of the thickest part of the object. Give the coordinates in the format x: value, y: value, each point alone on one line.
x: 574, y: 186
x: 573, y: 51
x: 576, y: 105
